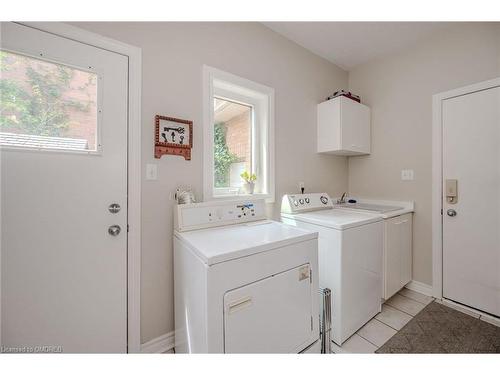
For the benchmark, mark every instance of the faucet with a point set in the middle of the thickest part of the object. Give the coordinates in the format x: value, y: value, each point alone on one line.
x: 342, y: 198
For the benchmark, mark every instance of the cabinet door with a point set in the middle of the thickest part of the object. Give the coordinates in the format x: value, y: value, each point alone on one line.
x: 392, y: 257
x: 397, y: 254
x: 329, y: 126
x: 405, y: 230
x: 355, y: 123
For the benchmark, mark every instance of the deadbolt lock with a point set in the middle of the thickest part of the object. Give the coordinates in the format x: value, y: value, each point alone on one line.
x: 114, y: 208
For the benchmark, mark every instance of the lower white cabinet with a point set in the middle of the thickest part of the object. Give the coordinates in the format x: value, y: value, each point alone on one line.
x: 397, y: 253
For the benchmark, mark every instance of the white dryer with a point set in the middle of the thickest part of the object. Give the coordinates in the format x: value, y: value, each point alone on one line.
x: 243, y: 284
x: 350, y: 257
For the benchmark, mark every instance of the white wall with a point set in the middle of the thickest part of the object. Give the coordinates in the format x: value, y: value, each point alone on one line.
x: 399, y: 90
x: 173, y: 55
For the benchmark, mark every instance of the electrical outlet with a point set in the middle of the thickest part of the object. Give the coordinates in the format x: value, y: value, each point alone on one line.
x: 407, y: 175
x: 301, y: 186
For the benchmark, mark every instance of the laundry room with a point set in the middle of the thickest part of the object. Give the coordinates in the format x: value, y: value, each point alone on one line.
x: 253, y: 184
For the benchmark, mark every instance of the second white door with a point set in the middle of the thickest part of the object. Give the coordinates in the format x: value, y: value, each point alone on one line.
x: 471, y: 225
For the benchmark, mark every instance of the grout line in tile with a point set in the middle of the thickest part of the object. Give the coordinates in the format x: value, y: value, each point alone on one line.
x: 395, y: 308
x: 387, y: 325
x: 413, y: 299
x: 364, y: 338
x: 406, y: 312
x: 397, y: 330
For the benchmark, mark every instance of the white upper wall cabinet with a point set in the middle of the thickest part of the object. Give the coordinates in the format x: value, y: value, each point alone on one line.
x: 343, y: 127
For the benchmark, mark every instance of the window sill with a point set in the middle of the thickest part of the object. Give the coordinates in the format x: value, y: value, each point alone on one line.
x: 268, y: 198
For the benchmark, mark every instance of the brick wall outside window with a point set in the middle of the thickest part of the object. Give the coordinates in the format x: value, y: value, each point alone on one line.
x: 82, y: 124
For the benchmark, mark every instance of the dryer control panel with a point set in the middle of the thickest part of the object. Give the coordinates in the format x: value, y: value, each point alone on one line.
x: 296, y: 203
x: 215, y: 214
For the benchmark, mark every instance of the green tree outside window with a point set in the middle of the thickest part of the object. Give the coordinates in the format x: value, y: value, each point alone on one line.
x: 38, y: 105
x: 223, y: 157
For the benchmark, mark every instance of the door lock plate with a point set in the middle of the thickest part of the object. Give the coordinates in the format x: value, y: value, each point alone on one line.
x: 451, y: 191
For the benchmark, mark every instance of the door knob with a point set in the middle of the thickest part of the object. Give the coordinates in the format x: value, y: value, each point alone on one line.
x: 451, y: 212
x: 114, y: 230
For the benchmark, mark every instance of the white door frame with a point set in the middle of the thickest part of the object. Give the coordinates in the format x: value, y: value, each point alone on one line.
x: 134, y: 55
x: 437, y: 176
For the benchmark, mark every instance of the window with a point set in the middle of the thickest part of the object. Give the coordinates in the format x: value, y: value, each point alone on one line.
x: 238, y: 129
x: 44, y: 105
x: 232, y: 143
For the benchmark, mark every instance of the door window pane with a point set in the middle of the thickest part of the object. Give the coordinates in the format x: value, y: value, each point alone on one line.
x: 232, y: 142
x: 46, y: 105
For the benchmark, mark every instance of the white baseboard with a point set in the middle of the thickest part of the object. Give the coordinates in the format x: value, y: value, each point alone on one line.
x: 160, y: 344
x: 419, y: 287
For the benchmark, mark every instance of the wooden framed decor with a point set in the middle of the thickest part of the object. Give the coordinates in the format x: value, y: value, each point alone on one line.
x: 173, y: 136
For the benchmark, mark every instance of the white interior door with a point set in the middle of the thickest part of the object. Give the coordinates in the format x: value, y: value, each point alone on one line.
x: 63, y: 162
x: 471, y: 238
x: 273, y: 315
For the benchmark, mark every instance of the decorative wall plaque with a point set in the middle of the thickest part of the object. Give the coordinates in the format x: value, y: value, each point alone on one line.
x: 173, y: 137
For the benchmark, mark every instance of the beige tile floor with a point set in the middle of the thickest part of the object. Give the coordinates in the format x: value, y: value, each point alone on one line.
x: 396, y: 312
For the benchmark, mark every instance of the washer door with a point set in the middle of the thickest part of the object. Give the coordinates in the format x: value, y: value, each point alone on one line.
x: 272, y: 315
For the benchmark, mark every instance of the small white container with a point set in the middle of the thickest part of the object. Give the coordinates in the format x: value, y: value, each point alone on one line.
x: 248, y: 187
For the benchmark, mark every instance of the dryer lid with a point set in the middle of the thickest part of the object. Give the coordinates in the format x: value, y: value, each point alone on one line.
x: 221, y: 244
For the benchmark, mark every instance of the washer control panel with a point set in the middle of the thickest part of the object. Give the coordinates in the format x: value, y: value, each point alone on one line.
x: 295, y: 203
x: 214, y: 214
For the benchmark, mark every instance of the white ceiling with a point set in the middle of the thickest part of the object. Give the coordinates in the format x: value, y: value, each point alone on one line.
x: 348, y: 44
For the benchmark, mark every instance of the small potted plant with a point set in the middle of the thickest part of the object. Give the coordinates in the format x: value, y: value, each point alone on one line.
x: 249, y: 184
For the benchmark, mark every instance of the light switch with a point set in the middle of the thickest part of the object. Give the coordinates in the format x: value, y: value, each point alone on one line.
x: 151, y: 171
x: 407, y: 174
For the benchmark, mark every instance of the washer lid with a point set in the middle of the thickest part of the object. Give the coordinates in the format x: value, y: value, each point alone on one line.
x: 220, y: 244
x: 336, y: 218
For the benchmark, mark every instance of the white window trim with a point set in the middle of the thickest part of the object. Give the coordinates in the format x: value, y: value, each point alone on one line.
x: 219, y: 83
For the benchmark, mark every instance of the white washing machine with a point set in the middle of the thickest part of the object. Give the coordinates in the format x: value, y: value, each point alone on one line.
x: 350, y: 257
x: 243, y: 284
